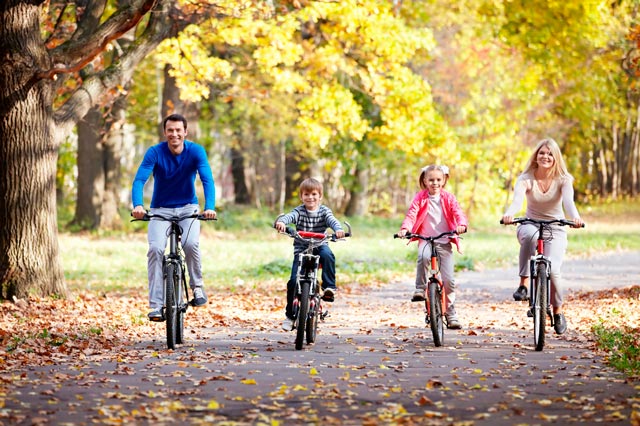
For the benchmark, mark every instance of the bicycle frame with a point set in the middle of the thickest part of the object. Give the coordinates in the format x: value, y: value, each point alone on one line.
x: 540, y: 274
x: 307, y: 302
x: 435, y: 294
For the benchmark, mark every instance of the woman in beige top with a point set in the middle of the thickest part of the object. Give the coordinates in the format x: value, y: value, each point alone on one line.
x: 548, y: 187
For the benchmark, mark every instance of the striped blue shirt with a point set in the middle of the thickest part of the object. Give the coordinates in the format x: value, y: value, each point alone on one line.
x: 315, y: 221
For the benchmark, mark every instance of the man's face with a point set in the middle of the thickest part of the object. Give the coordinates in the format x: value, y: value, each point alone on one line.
x: 175, y: 133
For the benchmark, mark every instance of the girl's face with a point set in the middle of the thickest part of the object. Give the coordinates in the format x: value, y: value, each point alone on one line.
x: 311, y: 199
x: 544, y: 158
x: 434, y: 181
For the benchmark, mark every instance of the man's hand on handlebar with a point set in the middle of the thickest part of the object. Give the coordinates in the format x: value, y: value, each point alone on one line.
x: 138, y: 212
x: 209, y: 214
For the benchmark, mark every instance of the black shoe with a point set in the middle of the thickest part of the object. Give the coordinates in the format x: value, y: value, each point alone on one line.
x: 530, y: 312
x: 559, y: 323
x: 418, y: 296
x: 520, y: 294
x: 199, y: 298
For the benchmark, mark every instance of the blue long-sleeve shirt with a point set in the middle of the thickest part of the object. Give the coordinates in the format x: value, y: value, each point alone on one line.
x: 174, y: 177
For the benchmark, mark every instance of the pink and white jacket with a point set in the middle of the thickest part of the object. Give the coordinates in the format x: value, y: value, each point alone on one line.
x: 417, y: 213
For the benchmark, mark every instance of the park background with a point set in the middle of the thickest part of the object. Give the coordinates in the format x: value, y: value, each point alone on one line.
x: 360, y: 94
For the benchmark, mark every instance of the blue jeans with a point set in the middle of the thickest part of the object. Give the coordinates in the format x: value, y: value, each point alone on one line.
x: 328, y: 263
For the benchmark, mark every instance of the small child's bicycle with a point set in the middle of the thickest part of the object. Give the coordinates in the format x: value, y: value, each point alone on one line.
x: 435, y: 300
x: 540, y: 277
x: 175, y: 284
x: 307, y: 300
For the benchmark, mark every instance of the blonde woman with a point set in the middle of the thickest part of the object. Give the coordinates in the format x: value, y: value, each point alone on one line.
x: 548, y: 188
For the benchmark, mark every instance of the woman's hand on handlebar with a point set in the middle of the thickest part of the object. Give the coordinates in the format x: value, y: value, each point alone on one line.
x: 507, y: 220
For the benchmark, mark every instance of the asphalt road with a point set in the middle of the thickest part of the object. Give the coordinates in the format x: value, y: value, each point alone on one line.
x: 374, y: 363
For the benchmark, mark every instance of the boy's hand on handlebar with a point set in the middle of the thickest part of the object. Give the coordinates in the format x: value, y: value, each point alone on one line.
x: 138, y: 212
x: 339, y: 234
x: 281, y: 227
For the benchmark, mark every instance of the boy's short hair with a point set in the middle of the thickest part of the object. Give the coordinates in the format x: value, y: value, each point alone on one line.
x: 310, y: 185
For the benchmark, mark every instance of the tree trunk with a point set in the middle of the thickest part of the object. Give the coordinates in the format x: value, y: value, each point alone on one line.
x: 359, y: 202
x: 91, y: 174
x: 239, y: 184
x: 29, y: 254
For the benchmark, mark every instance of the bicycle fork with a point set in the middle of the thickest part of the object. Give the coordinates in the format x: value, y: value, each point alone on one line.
x: 533, y: 273
x: 433, y: 277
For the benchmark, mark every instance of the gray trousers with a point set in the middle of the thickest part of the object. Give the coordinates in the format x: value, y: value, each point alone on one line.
x: 554, y: 249
x: 157, y: 236
x: 445, y: 253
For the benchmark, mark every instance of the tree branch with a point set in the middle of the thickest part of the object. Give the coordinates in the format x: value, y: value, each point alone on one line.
x: 80, y: 51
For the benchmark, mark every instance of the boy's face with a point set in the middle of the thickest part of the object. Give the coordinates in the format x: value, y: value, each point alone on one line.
x: 311, y: 199
x: 434, y: 181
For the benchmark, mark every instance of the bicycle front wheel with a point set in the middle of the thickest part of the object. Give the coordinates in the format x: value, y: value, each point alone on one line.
x: 171, y: 305
x: 181, y: 294
x: 303, y: 314
x: 540, y: 306
x: 435, y: 312
x: 312, y: 321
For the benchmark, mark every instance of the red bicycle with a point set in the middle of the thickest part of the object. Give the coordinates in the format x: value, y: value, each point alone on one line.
x: 435, y: 301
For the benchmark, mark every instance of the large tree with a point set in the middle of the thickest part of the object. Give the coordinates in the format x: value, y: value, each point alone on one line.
x: 32, y: 125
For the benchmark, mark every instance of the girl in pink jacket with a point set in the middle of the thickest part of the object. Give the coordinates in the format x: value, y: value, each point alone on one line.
x: 433, y: 211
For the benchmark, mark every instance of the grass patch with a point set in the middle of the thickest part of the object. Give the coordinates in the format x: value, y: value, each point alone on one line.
x: 622, y: 345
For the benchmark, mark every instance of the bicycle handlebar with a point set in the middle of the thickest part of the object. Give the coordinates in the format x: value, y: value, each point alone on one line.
x: 309, y: 236
x: 147, y: 217
x: 561, y: 222
x: 410, y: 235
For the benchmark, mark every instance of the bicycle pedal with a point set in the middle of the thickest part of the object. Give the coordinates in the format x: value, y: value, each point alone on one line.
x: 157, y: 319
x: 328, y: 298
x: 324, y: 315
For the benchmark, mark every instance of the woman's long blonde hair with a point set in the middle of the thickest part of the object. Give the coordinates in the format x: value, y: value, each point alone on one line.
x: 559, y: 168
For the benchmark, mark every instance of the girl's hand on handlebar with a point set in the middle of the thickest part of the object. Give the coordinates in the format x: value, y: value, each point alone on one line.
x: 401, y: 233
x: 461, y: 229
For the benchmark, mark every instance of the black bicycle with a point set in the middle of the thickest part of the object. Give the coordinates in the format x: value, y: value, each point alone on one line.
x: 307, y: 301
x: 540, y: 277
x: 435, y: 300
x: 175, y: 286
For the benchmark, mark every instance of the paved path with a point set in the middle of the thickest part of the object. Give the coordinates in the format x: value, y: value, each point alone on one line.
x: 374, y: 363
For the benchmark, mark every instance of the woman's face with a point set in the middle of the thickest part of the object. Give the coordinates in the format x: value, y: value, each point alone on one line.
x: 544, y: 158
x: 434, y: 180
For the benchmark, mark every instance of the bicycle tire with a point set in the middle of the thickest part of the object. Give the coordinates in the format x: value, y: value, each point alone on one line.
x: 540, y: 306
x: 171, y: 308
x: 435, y: 312
x: 181, y: 294
x: 303, y: 314
x: 312, y: 322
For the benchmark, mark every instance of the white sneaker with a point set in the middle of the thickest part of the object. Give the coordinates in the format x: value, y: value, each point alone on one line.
x: 287, y: 324
x: 453, y: 323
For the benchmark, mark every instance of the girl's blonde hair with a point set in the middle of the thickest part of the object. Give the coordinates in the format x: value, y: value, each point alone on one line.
x: 559, y: 168
x: 427, y: 169
x: 310, y: 185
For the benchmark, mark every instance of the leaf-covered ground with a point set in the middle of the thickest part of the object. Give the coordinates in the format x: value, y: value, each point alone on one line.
x: 95, y: 359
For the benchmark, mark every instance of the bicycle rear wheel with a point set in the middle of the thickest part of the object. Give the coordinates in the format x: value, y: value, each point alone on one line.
x: 435, y: 312
x: 312, y: 322
x: 303, y: 314
x: 540, y: 306
x: 171, y: 306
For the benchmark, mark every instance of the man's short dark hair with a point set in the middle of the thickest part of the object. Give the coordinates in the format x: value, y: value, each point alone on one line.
x: 174, y: 117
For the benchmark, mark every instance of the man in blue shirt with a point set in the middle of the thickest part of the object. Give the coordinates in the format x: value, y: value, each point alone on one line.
x: 174, y: 164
